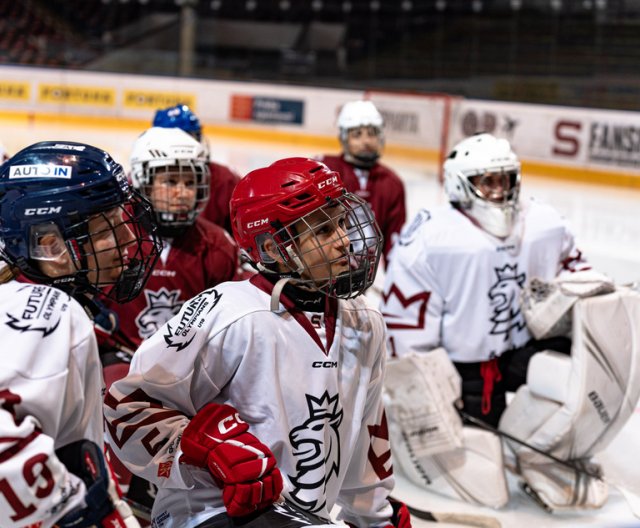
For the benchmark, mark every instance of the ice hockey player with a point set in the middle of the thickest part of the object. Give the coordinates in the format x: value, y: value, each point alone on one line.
x: 361, y: 134
x: 271, y: 385
x: 71, y: 228
x: 452, y: 302
x: 169, y: 168
x: 223, y: 178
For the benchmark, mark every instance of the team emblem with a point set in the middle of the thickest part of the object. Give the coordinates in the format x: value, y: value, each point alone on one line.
x: 161, y: 306
x: 505, y: 299
x: 316, y: 444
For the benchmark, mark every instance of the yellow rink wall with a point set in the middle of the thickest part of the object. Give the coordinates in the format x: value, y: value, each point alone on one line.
x: 574, y: 144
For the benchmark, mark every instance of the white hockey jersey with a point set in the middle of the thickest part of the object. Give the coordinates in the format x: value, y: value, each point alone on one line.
x: 451, y: 284
x: 50, y: 395
x: 307, y: 383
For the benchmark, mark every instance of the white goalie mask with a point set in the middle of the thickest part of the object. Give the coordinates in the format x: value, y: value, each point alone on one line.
x: 482, y: 177
x: 356, y: 114
x: 170, y: 168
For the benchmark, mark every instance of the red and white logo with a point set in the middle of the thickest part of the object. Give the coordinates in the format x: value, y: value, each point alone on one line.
x: 330, y: 181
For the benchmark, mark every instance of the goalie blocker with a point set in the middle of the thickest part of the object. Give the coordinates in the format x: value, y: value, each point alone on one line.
x: 428, y: 439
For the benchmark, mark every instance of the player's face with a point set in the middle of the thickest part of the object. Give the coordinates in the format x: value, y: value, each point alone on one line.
x: 174, y: 191
x: 494, y: 187
x: 363, y: 141
x: 108, y: 250
x: 324, y: 244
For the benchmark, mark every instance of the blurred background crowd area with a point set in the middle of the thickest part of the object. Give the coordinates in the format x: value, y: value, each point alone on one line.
x: 567, y: 52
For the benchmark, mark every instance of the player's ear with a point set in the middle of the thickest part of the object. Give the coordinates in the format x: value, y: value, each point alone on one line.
x: 270, y: 248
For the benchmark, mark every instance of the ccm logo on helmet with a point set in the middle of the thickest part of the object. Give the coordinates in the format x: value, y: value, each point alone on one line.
x: 331, y: 181
x: 42, y: 211
x: 258, y: 223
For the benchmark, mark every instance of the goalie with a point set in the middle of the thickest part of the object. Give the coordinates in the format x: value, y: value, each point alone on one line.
x: 454, y: 283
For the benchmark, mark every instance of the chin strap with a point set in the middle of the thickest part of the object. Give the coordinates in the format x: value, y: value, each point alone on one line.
x: 276, y: 292
x: 361, y: 162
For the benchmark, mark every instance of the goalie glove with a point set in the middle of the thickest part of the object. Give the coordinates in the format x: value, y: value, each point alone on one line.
x: 546, y: 305
x: 104, y: 508
x: 245, y: 468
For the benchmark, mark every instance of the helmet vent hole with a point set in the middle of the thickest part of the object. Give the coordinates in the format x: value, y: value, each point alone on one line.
x: 298, y: 200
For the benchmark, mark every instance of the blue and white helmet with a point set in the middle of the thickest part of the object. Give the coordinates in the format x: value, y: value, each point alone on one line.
x: 477, y: 156
x: 57, y: 188
x: 179, y: 116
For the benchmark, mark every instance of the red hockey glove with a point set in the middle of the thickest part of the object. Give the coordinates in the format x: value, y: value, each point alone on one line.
x: 245, y: 468
x: 401, y: 517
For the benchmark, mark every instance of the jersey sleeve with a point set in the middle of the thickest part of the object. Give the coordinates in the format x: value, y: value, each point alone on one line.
x: 395, y: 216
x: 222, y: 260
x: 572, y: 259
x: 369, y: 481
x: 35, y: 486
x: 172, y: 376
x: 411, y: 303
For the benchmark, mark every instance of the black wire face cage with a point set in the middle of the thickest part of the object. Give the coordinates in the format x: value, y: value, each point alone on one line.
x: 334, y: 249
x: 116, y: 251
x: 509, y: 180
x: 176, y: 213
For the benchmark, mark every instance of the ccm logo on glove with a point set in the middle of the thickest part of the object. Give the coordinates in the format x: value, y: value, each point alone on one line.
x: 224, y: 426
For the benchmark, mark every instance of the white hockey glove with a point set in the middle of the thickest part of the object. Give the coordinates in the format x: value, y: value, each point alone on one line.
x: 104, y: 508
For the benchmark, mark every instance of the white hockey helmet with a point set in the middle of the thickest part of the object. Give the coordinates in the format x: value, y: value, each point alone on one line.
x: 160, y: 150
x: 359, y: 113
x: 356, y: 114
x: 479, y: 156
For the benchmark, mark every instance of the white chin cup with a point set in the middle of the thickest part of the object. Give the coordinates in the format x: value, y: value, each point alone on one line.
x: 495, y: 219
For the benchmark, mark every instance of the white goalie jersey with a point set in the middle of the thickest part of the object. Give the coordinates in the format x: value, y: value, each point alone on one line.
x: 451, y: 284
x: 316, y: 403
x: 50, y: 396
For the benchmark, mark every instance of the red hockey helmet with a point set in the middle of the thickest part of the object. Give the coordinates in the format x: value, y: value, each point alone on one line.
x: 280, y: 203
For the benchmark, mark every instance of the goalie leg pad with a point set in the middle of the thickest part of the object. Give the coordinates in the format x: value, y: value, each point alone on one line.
x: 473, y: 473
x: 420, y: 392
x: 576, y: 405
x: 427, y: 437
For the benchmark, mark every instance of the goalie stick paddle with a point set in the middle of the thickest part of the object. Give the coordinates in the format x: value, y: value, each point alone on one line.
x: 465, y: 519
x: 633, y: 499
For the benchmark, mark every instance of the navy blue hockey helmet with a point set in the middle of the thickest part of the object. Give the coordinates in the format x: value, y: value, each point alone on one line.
x: 68, y: 207
x: 179, y: 116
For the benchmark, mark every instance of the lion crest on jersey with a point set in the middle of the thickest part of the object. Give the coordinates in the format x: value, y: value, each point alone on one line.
x: 316, y: 444
x: 161, y: 306
x: 505, y: 299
